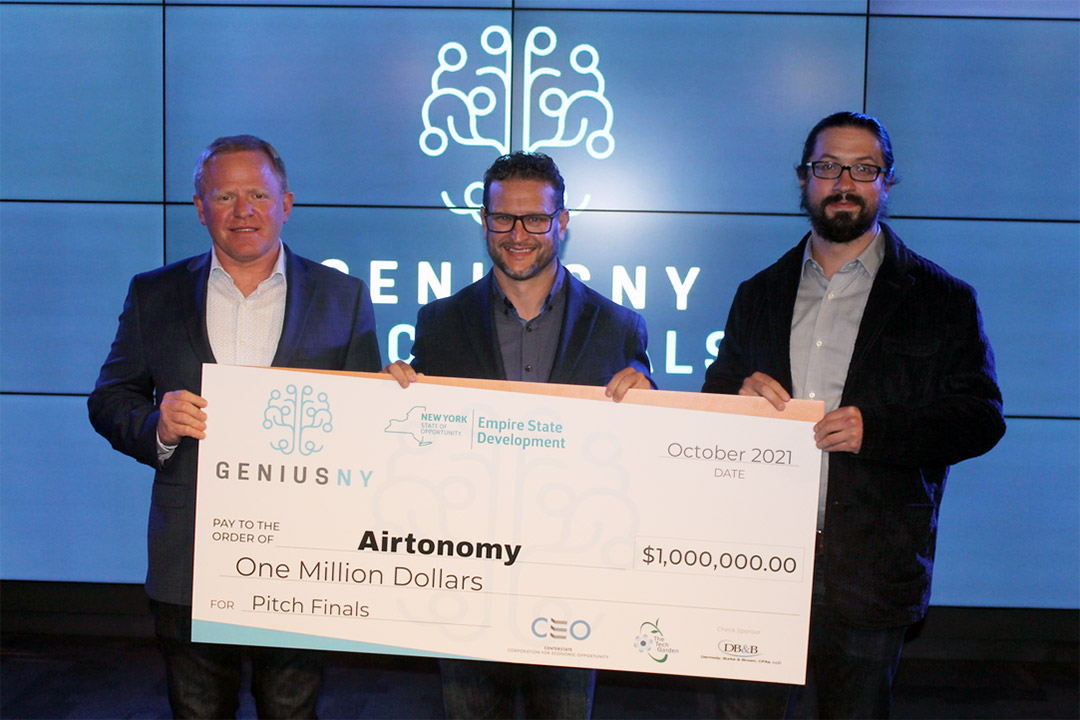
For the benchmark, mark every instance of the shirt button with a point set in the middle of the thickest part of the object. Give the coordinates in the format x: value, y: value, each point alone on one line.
x: 528, y: 328
x: 812, y: 395
x: 831, y: 296
x: 818, y: 343
x: 243, y: 342
x: 528, y: 368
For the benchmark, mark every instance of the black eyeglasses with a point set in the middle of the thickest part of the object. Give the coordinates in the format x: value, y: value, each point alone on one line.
x: 829, y: 170
x: 536, y: 223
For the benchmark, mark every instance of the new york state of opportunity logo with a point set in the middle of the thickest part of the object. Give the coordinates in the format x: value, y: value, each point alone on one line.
x: 480, y: 115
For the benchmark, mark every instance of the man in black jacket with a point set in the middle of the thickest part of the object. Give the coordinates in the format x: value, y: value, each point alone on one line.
x: 894, y: 346
x: 529, y: 320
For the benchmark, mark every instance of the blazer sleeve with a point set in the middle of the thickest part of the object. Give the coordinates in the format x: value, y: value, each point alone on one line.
x: 122, y: 405
x: 363, y: 354
x: 421, y: 339
x: 731, y: 365
x: 637, y: 341
x: 962, y: 418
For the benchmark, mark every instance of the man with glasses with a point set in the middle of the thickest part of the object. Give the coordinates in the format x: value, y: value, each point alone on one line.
x: 894, y: 346
x: 528, y: 319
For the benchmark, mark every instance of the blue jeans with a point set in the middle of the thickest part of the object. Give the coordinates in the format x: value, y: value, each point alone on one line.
x: 743, y: 700
x: 852, y: 670
x: 477, y: 689
x: 204, y: 678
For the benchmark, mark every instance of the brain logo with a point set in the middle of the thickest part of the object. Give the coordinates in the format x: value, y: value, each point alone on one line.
x: 298, y: 414
x: 471, y: 105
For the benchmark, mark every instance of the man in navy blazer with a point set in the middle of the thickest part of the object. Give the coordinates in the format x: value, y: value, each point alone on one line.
x: 895, y: 348
x: 249, y: 301
x: 597, y: 339
x: 528, y: 319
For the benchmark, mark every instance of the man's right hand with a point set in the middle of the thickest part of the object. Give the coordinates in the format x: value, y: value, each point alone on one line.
x: 402, y: 372
x: 181, y: 416
x: 761, y: 385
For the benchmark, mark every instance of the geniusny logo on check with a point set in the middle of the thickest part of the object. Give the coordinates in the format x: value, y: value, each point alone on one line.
x: 478, y: 115
x: 299, y: 420
x: 299, y: 414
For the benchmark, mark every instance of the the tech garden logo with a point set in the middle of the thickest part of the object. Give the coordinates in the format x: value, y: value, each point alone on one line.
x: 299, y: 414
x: 480, y: 115
x: 651, y: 641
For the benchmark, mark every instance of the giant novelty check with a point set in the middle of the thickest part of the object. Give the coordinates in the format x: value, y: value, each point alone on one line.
x: 670, y: 533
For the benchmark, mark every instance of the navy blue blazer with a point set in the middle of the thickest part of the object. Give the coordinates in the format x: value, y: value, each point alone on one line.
x: 922, y: 375
x: 455, y: 337
x: 160, y: 346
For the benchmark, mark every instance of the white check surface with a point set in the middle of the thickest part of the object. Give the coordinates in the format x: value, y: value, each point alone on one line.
x: 346, y: 513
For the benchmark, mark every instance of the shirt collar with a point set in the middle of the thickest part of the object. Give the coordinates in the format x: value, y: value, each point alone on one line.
x: 870, y: 258
x: 279, y: 264
x: 556, y: 287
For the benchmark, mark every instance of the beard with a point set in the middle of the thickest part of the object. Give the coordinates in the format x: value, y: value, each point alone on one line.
x: 842, y: 227
x: 545, y: 255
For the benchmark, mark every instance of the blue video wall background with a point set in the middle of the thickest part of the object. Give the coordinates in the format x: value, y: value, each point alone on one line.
x: 676, y: 125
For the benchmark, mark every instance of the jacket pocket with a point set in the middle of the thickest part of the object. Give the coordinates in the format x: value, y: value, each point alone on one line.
x: 920, y: 349
x: 169, y: 495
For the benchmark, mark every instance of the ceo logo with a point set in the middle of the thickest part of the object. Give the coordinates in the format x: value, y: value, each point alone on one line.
x: 300, y: 413
x: 484, y: 111
x: 561, y: 629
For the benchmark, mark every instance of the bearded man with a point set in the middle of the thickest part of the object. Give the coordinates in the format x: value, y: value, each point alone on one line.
x: 894, y: 346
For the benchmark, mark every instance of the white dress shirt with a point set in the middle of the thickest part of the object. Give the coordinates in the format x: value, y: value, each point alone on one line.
x: 242, y: 330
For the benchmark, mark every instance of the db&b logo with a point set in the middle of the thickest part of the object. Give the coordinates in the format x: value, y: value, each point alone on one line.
x: 740, y: 650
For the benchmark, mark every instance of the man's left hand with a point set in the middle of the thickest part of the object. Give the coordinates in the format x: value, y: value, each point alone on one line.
x: 840, y: 430
x: 625, y: 379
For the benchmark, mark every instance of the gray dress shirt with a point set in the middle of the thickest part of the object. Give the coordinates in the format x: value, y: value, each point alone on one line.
x: 826, y: 321
x: 528, y: 347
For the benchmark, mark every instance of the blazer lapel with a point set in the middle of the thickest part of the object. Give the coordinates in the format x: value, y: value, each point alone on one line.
x: 299, y: 293
x: 781, y: 293
x: 577, y: 327
x: 890, y: 286
x: 191, y: 300
x: 479, y: 333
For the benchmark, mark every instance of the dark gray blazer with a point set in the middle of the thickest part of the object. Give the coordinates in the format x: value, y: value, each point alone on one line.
x: 455, y: 337
x: 160, y: 346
